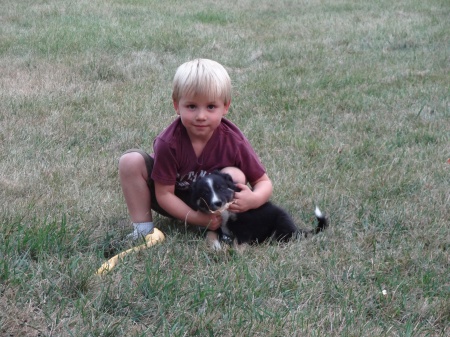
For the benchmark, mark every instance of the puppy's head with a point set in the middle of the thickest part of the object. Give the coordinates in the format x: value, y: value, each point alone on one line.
x: 212, y: 192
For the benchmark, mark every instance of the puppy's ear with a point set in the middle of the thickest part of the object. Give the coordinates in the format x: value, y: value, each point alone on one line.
x: 194, y: 188
x: 229, y: 181
x: 194, y: 183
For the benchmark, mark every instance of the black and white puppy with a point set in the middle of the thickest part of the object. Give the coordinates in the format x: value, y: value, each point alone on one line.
x: 213, y: 192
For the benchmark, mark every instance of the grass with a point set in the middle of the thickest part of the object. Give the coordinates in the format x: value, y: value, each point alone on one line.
x: 346, y: 102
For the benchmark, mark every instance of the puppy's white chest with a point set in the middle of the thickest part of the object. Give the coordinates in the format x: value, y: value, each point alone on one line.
x: 226, y: 215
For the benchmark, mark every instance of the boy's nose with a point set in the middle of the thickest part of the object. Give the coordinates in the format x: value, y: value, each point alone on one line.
x: 201, y: 114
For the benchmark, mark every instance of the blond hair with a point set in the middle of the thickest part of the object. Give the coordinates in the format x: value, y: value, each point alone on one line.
x: 204, y: 77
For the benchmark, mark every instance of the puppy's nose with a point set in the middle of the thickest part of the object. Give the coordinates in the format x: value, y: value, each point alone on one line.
x: 217, y: 204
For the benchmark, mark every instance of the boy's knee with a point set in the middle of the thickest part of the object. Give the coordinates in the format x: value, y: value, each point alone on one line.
x: 131, y: 163
x: 235, y: 173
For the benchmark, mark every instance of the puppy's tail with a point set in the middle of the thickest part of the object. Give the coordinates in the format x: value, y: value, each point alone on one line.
x: 322, y: 224
x: 322, y: 221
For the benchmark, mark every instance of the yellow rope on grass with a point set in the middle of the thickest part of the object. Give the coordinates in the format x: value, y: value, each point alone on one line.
x: 150, y: 240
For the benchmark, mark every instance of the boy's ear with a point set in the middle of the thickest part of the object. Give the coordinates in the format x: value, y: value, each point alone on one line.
x: 175, y: 106
x: 227, y: 106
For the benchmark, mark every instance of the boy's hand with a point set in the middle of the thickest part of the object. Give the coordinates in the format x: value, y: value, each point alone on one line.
x: 243, y: 200
x: 210, y: 220
x: 215, y: 221
x: 254, y: 197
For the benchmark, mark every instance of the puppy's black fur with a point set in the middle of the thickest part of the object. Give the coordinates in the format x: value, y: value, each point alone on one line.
x: 212, y: 192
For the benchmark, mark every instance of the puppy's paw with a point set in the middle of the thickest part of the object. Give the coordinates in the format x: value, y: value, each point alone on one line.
x: 240, y: 248
x: 215, y: 245
x: 212, y: 240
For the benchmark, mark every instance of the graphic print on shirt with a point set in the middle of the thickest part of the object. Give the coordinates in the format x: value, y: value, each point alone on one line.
x: 184, y: 182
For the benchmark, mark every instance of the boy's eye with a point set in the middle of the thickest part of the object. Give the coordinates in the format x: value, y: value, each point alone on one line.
x: 211, y: 107
x: 191, y: 106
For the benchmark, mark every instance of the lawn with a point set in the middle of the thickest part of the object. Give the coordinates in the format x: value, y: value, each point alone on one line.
x: 346, y: 102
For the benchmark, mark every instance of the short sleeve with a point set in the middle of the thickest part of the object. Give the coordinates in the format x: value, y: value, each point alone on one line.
x: 248, y: 161
x: 165, y: 164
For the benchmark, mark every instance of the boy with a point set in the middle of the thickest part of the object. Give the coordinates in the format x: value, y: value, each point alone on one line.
x: 198, y: 142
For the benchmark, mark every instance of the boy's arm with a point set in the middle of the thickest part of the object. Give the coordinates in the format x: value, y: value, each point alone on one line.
x: 252, y: 198
x: 178, y: 209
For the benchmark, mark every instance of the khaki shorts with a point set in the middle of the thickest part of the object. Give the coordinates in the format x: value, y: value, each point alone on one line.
x: 183, y: 195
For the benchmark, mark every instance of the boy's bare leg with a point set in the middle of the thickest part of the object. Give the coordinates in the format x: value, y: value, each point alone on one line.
x: 133, y: 180
x: 235, y: 173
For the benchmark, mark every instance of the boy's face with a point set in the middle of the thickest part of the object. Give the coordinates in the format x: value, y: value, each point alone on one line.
x: 200, y: 115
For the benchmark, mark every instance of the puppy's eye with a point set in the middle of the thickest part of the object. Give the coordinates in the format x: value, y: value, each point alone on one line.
x: 218, y: 187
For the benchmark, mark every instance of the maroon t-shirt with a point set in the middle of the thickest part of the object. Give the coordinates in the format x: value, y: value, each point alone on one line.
x: 176, y: 163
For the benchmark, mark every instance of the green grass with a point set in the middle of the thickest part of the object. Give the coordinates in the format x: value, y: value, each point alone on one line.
x: 347, y: 103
